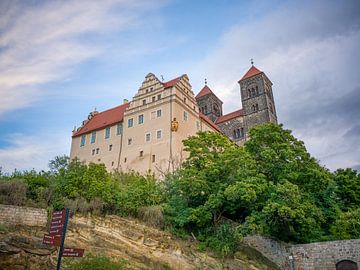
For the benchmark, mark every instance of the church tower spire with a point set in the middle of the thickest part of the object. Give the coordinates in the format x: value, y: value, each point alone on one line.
x: 257, y: 98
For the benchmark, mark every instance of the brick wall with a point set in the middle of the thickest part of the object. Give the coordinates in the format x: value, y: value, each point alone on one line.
x: 314, y: 256
x: 18, y: 215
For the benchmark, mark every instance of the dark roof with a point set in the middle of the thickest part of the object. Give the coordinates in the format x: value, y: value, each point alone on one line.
x: 229, y: 116
x: 103, y: 119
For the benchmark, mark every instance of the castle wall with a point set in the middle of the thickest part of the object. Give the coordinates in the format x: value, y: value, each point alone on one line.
x: 19, y: 215
x: 314, y: 256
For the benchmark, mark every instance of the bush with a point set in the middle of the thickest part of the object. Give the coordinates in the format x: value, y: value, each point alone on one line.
x: 152, y: 215
x: 222, y: 239
x: 13, y: 192
x: 82, y: 206
x: 91, y: 262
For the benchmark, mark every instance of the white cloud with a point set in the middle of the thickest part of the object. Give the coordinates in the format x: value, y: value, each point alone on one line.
x: 310, y: 52
x: 44, y: 42
x: 32, y: 152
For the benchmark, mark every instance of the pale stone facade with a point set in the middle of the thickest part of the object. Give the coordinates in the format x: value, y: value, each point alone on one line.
x: 146, y: 134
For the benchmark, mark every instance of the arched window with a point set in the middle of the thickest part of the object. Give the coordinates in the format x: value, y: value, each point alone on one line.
x: 249, y: 93
x: 216, y: 109
x: 234, y: 135
x: 256, y: 107
x: 257, y: 90
x: 205, y: 110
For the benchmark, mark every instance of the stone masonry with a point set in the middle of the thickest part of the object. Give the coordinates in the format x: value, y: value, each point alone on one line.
x: 17, y: 215
x: 314, y: 256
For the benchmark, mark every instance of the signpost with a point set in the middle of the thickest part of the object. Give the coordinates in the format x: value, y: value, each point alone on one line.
x: 73, y: 252
x: 56, y: 236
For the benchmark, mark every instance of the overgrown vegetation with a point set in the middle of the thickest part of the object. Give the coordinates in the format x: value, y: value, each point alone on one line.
x: 92, y: 262
x: 271, y: 186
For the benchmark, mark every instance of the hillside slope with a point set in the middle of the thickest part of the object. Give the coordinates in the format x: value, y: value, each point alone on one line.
x: 142, y: 246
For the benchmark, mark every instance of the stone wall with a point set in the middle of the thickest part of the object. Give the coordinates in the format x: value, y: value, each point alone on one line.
x: 18, y: 215
x: 325, y: 255
x: 314, y: 256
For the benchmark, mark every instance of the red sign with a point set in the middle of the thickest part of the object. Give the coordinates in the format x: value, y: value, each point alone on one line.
x: 52, y: 240
x: 73, y: 252
x: 57, y: 231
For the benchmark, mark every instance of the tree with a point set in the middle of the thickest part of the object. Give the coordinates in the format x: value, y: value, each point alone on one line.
x: 348, y: 188
x: 347, y: 226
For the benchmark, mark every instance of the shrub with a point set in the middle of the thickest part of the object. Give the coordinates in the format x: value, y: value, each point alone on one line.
x: 91, y: 262
x: 13, y: 192
x: 152, y: 215
x: 222, y: 239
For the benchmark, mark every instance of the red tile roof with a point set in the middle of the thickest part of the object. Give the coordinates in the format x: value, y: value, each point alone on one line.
x: 207, y: 120
x: 205, y: 91
x: 103, y: 119
x: 251, y: 72
x: 229, y: 116
x: 172, y: 82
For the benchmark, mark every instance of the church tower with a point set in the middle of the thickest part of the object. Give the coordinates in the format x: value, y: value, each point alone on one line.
x: 257, y: 98
x: 209, y: 104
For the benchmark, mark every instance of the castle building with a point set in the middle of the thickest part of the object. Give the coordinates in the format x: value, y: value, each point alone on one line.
x: 146, y: 134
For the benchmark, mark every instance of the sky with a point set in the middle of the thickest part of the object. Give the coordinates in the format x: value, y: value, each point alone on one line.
x: 61, y: 59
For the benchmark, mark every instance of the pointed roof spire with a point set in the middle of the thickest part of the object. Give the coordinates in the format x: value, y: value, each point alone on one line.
x: 251, y: 72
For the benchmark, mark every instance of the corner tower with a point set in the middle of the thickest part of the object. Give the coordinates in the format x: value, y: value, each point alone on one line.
x: 257, y: 98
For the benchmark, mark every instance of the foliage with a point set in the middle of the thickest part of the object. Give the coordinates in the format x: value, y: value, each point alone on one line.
x: 91, y: 262
x: 13, y: 192
x: 223, y: 239
x: 136, y: 191
x: 152, y: 215
x: 347, y: 226
x: 348, y: 188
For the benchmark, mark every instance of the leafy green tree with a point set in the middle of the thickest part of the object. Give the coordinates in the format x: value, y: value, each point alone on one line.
x: 347, y: 226
x: 59, y: 164
x: 348, y: 188
x: 289, y: 215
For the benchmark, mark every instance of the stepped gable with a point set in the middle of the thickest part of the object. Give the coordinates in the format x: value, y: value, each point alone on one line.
x: 230, y: 116
x: 251, y: 72
x: 103, y: 119
x: 207, y: 120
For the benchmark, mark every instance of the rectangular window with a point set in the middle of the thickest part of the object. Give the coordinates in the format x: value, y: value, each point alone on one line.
x: 141, y: 153
x: 153, y: 158
x: 83, y: 140
x: 141, y: 119
x: 130, y: 122
x: 147, y: 137
x: 93, y: 137
x: 129, y: 141
x: 158, y: 134
x: 144, y: 101
x: 153, y: 99
x: 125, y: 159
x: 159, y: 97
x: 97, y: 150
x: 158, y: 113
x: 110, y: 147
x: 107, y: 133
x: 153, y: 115
x: 119, y: 129
x: 185, y: 116
x: 93, y: 152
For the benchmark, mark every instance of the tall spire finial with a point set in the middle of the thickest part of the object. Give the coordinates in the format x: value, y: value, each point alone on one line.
x: 205, y: 81
x: 252, y: 61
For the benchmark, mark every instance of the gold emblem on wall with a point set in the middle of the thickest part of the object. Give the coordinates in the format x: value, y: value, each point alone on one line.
x: 174, y: 124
